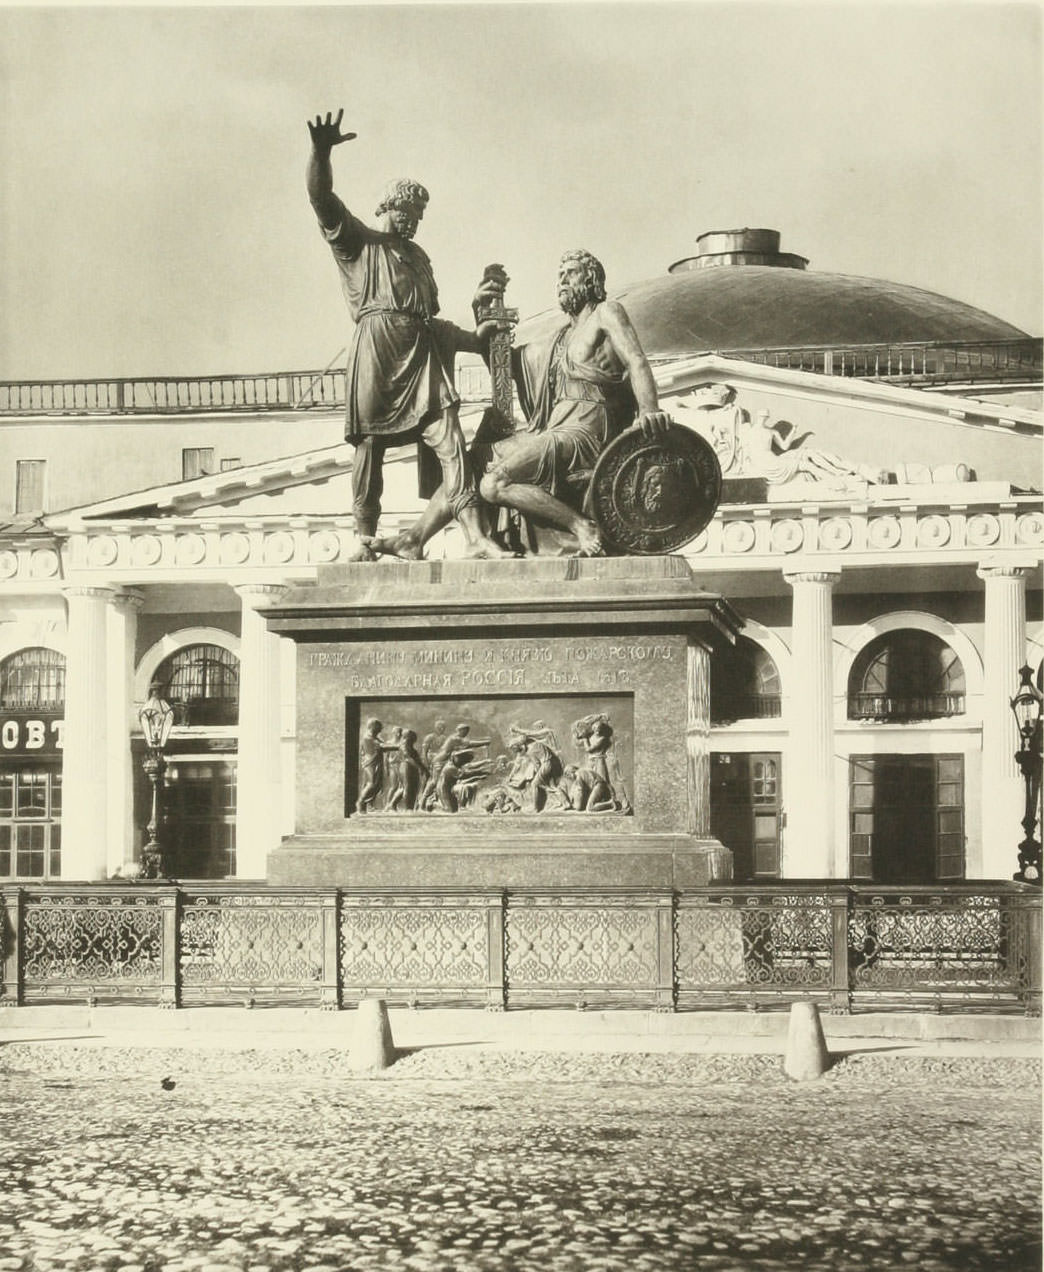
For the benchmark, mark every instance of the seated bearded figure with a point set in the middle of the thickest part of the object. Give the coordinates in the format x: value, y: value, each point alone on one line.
x: 579, y: 390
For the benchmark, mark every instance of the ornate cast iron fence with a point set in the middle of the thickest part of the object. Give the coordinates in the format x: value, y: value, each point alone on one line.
x: 443, y: 948
x: 925, y: 946
x: 849, y: 947
x: 263, y: 946
x: 760, y: 946
x: 581, y: 950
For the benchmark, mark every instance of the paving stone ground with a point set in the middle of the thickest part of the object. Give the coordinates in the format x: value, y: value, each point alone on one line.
x: 458, y: 1159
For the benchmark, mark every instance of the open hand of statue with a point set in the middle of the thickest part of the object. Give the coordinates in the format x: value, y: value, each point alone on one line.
x: 327, y: 135
x: 654, y: 425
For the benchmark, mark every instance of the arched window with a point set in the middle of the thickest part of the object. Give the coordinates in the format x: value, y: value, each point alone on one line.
x: 201, y: 683
x: 33, y: 680
x: 744, y: 684
x: 906, y: 675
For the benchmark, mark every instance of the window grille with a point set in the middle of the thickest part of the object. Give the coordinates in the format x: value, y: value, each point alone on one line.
x: 744, y: 684
x: 201, y: 683
x: 906, y: 675
x: 33, y: 680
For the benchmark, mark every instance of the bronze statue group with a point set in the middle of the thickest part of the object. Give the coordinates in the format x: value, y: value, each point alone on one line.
x: 577, y: 391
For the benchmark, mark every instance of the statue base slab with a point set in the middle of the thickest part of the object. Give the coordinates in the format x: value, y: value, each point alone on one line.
x: 662, y: 863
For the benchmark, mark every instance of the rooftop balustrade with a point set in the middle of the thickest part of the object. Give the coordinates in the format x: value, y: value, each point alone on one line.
x: 916, y: 364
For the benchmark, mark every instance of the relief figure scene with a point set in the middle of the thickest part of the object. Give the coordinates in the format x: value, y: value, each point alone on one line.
x: 492, y: 756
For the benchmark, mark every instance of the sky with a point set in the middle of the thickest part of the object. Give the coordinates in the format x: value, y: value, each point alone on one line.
x: 154, y: 221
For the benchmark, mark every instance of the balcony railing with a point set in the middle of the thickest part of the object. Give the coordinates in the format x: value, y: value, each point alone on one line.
x: 924, y: 363
x: 727, y: 707
x: 1012, y: 360
x: 949, y: 947
x: 283, y: 391
x: 878, y: 706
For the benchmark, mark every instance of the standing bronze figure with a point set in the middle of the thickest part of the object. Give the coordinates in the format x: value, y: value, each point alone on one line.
x: 400, y: 364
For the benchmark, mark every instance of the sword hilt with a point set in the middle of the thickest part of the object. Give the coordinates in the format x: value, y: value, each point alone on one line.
x: 500, y: 353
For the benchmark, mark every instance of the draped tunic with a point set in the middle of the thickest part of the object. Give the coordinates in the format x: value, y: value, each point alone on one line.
x: 573, y: 410
x: 400, y: 361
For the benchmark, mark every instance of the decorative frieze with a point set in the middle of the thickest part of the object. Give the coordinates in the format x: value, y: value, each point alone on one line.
x: 835, y: 534
x: 748, y: 536
x: 982, y: 530
x: 1029, y: 529
x: 933, y: 532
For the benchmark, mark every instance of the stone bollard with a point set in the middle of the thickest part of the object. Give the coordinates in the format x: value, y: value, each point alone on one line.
x: 372, y: 1046
x: 807, y: 1056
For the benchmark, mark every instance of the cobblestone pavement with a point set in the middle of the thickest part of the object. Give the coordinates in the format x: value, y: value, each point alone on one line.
x: 458, y: 1159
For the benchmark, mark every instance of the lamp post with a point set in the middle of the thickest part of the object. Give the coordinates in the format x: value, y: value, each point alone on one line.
x: 1026, y: 706
x: 156, y: 718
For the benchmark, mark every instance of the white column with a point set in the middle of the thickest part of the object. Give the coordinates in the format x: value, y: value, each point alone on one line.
x: 288, y: 731
x: 808, y: 780
x: 1003, y: 792
x: 85, y: 755
x: 122, y: 633
x: 259, y: 808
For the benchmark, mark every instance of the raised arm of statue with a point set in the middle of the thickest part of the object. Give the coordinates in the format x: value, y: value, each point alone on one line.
x: 319, y: 176
x: 618, y: 328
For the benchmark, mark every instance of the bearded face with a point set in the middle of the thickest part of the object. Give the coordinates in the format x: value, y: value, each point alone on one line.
x: 572, y: 296
x: 581, y: 281
x: 661, y: 488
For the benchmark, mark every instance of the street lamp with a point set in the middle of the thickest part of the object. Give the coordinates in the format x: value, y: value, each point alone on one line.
x: 156, y: 718
x: 1026, y: 706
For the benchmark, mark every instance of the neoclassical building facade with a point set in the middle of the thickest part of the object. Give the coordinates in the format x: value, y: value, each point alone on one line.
x: 881, y: 532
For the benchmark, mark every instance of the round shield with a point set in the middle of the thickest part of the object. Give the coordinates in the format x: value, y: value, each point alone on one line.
x: 651, y: 497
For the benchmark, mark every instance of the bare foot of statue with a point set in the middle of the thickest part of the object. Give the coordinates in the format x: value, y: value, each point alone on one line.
x: 588, y: 538
x: 479, y: 546
x: 364, y: 552
x: 406, y: 546
x: 482, y: 548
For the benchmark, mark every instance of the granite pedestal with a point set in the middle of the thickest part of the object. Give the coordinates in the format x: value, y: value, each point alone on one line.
x: 523, y: 653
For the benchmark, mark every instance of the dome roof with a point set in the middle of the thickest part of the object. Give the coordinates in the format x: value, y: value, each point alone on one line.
x: 721, y: 302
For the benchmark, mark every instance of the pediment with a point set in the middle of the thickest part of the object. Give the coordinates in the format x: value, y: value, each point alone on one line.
x: 312, y: 483
x: 782, y: 435
x: 805, y: 435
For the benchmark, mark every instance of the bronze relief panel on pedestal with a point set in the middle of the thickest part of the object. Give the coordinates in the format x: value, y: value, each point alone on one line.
x: 503, y: 755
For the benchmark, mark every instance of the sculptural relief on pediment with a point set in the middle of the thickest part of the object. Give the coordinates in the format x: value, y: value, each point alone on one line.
x: 755, y: 444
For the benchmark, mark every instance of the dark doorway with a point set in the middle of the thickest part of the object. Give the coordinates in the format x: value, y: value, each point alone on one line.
x: 201, y: 818
x: 906, y: 816
x: 746, y: 795
x: 197, y: 813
